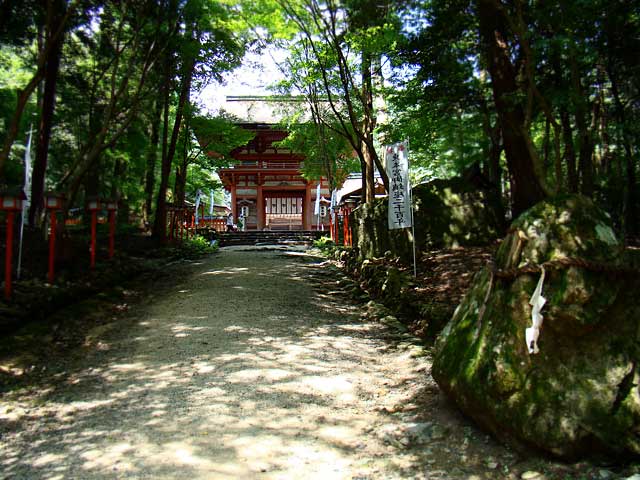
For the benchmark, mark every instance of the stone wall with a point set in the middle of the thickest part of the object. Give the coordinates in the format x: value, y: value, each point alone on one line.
x: 447, y: 213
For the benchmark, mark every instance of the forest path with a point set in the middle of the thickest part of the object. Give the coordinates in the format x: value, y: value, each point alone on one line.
x: 248, y: 364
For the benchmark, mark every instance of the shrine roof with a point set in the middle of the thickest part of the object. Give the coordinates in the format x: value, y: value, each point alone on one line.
x: 269, y: 110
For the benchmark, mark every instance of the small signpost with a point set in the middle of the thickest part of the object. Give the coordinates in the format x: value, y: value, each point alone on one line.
x: 52, y: 202
x: 400, y: 202
x: 10, y: 202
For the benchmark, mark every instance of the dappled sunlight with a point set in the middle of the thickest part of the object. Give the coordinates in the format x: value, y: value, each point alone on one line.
x: 338, y: 387
x: 183, y: 329
x: 232, y: 389
x: 269, y: 374
x: 226, y: 271
x: 242, y: 329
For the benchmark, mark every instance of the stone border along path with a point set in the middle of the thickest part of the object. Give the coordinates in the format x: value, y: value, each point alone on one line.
x: 252, y: 364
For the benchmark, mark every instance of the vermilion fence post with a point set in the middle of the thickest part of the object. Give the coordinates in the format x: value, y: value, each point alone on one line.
x: 347, y: 231
x: 10, y: 202
x: 112, y: 232
x: 344, y: 227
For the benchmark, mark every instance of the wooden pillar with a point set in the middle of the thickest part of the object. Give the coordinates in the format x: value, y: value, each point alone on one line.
x: 234, y: 201
x: 307, y: 208
x: 260, y: 206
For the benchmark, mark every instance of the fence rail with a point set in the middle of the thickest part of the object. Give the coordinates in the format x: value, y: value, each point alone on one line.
x: 274, y: 165
x: 340, y: 227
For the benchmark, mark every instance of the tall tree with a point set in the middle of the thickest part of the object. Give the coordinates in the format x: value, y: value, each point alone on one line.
x: 205, y: 44
x: 54, y: 39
x: 333, y: 31
x: 129, y: 43
x: 526, y: 185
x: 54, y: 25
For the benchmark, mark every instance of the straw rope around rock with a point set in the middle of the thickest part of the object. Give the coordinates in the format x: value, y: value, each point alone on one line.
x: 563, y: 263
x: 550, y: 265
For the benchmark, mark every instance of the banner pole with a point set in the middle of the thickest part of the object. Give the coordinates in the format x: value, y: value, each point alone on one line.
x: 413, y: 223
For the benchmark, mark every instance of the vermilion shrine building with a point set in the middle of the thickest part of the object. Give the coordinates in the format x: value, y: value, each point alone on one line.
x: 267, y: 188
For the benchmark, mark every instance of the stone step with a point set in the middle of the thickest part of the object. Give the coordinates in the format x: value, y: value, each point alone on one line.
x: 267, y: 237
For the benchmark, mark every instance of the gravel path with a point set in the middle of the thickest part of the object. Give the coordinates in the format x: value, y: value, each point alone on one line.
x: 249, y: 364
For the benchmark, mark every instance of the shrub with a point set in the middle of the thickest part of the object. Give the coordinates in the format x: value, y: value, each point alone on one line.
x: 324, y: 243
x: 196, y: 246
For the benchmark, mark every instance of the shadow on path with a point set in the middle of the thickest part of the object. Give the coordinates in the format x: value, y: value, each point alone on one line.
x: 242, y: 369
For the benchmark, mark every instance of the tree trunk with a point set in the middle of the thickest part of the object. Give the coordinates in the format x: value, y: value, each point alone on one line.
x: 183, y: 166
x: 493, y: 171
x: 526, y: 187
x: 179, y: 186
x: 160, y: 224
x: 51, y: 69
x: 92, y: 180
x: 569, y: 151
x: 368, y: 125
x: 54, y: 32
x: 585, y: 163
x: 363, y: 169
x: 152, y: 159
x: 630, y: 202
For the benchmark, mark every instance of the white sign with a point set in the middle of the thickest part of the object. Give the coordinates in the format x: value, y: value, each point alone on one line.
x: 397, y: 165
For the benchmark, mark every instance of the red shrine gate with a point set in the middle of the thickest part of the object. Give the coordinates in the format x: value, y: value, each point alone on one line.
x: 267, y: 188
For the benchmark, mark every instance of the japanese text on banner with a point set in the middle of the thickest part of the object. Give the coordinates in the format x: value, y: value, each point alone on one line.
x: 397, y: 165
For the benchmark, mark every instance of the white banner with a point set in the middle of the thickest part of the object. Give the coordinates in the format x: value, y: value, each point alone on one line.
x: 211, y: 202
x: 198, y: 198
x: 316, y: 210
x: 397, y: 166
x: 27, y: 178
x: 27, y: 203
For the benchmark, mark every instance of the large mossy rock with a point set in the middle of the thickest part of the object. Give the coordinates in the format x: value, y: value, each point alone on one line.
x: 579, y: 394
x: 447, y: 213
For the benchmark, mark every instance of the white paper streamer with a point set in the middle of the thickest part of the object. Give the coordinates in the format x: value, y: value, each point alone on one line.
x: 198, y: 199
x: 537, y: 302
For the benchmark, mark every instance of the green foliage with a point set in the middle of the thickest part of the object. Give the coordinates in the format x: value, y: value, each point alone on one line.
x: 325, y: 244
x: 121, y: 59
x: 217, y: 138
x: 328, y: 155
x: 437, y: 103
x: 195, y: 247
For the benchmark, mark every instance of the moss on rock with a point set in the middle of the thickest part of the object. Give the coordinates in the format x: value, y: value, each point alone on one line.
x: 580, y: 392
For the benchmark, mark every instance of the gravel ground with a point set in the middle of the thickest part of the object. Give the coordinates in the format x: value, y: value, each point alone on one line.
x: 252, y: 363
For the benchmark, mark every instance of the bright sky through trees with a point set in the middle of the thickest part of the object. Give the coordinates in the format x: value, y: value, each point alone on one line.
x: 257, y: 74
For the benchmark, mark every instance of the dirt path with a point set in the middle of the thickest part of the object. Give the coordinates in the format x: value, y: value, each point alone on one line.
x: 252, y: 365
